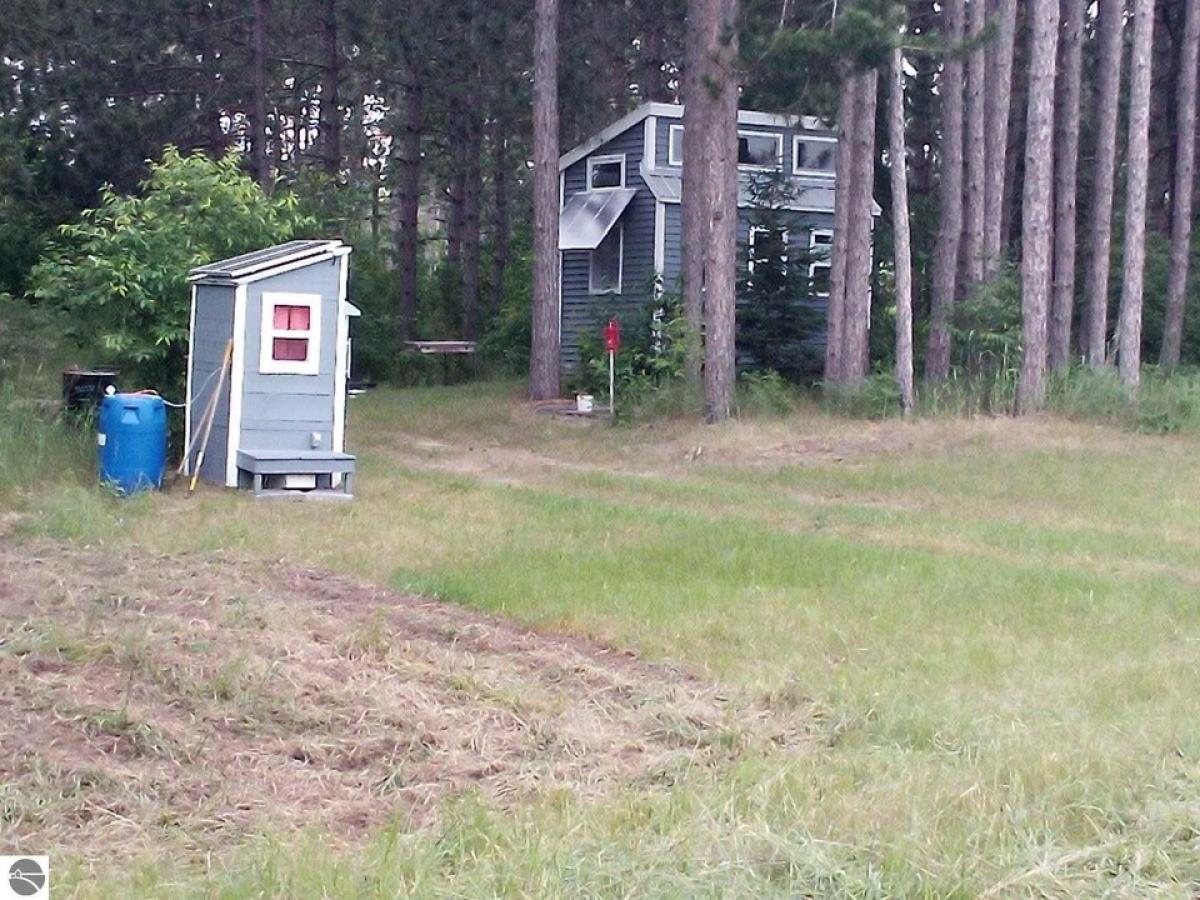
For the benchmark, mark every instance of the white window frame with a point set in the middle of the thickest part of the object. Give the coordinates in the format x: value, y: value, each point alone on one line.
x: 672, y: 159
x: 758, y: 229
x: 594, y: 161
x: 592, y: 289
x: 825, y: 263
x: 797, y: 140
x: 778, y: 138
x: 311, y: 364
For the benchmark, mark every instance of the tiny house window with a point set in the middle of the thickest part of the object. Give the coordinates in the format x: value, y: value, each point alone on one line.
x: 767, y: 246
x: 675, y: 146
x: 604, y: 276
x: 812, y: 155
x: 820, y: 243
x: 291, y: 334
x: 759, y: 149
x: 606, y: 172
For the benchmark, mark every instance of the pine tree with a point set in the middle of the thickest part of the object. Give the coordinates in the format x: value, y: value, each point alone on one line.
x: 543, y: 360
x: 1035, y: 224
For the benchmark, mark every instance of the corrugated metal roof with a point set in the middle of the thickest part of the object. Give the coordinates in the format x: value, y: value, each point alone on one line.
x: 259, y: 261
x: 588, y: 217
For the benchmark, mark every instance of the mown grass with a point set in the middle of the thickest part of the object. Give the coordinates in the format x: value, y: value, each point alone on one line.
x: 992, y: 627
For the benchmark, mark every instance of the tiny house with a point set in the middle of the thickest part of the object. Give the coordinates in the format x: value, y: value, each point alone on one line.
x: 620, y: 224
x: 279, y: 423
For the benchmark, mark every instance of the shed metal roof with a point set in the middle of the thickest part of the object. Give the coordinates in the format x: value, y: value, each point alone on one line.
x: 587, y: 217
x: 261, y: 262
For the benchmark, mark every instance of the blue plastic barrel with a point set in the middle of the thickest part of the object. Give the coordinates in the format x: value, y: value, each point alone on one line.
x: 133, y: 442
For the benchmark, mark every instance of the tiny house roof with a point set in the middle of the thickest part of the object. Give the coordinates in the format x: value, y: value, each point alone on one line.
x: 675, y: 111
x: 269, y: 261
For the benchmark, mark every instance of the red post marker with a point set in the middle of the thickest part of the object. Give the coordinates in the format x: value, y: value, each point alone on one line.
x: 612, y: 341
x: 612, y: 336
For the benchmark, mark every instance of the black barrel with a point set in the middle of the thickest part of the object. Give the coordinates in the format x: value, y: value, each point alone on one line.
x: 83, y: 389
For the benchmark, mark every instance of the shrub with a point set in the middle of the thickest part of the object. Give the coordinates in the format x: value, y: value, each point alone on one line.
x: 765, y: 393
x: 121, y: 270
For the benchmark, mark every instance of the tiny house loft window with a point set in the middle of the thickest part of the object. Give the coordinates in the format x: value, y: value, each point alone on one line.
x: 812, y: 155
x: 759, y: 149
x: 605, y: 172
x: 675, y: 146
x: 291, y: 334
x: 820, y: 244
x: 604, y: 276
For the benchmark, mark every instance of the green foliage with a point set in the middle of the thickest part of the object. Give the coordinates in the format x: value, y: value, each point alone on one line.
x: 877, y: 397
x: 650, y: 365
x: 765, y: 393
x: 121, y: 270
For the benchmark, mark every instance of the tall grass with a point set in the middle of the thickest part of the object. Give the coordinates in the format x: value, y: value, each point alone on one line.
x: 40, y: 447
x: 1162, y: 404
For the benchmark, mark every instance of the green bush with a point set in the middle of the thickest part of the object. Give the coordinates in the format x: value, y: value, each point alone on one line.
x: 120, y: 271
x: 765, y: 393
x: 878, y: 397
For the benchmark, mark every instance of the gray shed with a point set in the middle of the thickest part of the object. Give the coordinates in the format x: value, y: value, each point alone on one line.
x: 280, y: 421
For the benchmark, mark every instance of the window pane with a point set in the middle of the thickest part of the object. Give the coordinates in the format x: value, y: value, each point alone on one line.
x: 606, y: 175
x: 606, y: 263
x: 819, y: 276
x: 291, y: 318
x: 676, y: 152
x: 292, y: 349
x: 816, y: 156
x: 758, y: 150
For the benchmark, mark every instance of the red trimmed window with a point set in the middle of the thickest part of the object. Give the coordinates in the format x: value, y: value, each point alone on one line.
x: 291, y: 318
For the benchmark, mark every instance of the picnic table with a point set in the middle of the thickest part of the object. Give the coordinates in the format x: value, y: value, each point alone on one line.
x: 445, y: 349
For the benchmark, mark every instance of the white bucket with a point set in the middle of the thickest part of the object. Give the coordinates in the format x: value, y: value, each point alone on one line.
x: 584, y: 403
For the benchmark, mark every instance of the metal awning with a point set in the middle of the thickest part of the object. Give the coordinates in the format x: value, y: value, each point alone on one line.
x: 589, y: 216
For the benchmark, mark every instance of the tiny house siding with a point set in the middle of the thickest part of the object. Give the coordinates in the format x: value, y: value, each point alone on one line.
x: 583, y: 312
x: 214, y: 328
x: 672, y: 254
x: 280, y: 412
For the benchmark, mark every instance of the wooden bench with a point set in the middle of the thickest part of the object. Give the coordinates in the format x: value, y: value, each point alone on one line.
x: 254, y: 466
x: 444, y: 349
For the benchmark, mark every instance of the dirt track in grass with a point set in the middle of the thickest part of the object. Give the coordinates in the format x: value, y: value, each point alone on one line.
x: 146, y: 699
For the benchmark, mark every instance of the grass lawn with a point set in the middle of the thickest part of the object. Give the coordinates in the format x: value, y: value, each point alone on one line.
x: 990, y: 629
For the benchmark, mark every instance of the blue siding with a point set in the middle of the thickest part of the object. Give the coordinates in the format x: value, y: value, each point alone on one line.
x: 214, y: 328
x: 280, y: 412
x: 582, y: 312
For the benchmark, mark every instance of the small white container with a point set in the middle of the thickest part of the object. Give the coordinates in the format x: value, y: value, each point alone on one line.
x: 584, y: 403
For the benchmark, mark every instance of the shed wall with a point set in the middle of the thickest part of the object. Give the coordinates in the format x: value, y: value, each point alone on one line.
x: 214, y: 328
x: 280, y: 412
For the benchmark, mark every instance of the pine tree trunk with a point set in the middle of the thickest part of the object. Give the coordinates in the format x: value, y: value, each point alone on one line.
x: 696, y: 203
x: 1181, y: 195
x: 898, y: 156
x: 331, y: 112
x: 1035, y: 205
x: 501, y: 221
x: 721, y: 265
x: 857, y: 308
x: 408, y: 200
x: 945, y: 254
x: 976, y: 144
x: 997, y: 104
x: 1110, y: 25
x: 456, y: 188
x: 1129, y: 342
x: 472, y: 187
x: 543, y: 357
x: 258, y: 139
x: 836, y: 305
x: 1066, y: 153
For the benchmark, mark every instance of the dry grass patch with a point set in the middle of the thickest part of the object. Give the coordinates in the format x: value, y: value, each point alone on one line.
x: 192, y: 699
